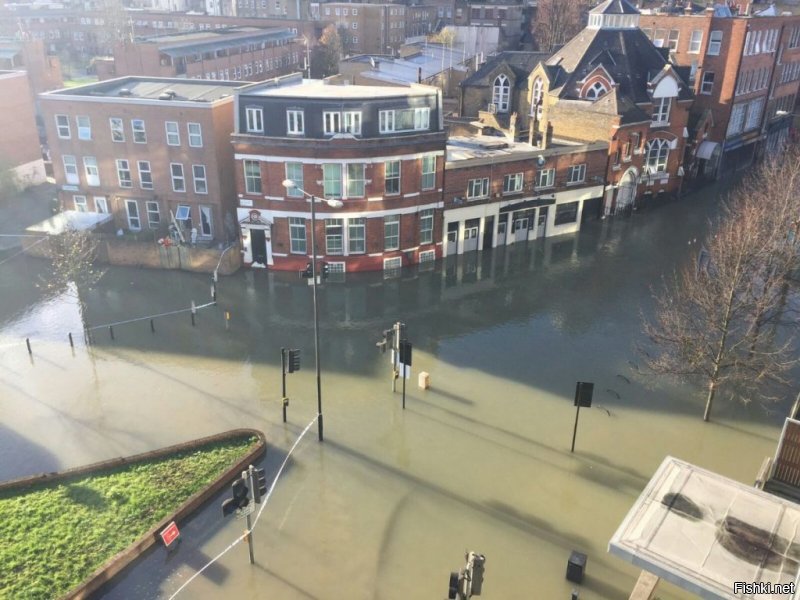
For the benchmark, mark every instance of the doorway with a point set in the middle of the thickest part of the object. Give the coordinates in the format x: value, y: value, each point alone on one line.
x: 488, y: 233
x: 452, y: 238
x: 258, y: 245
x: 471, y: 228
x: 521, y: 229
x: 541, y: 224
x: 501, y: 229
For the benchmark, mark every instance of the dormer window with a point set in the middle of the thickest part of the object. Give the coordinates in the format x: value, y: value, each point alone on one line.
x: 661, y: 111
x: 536, y: 98
x: 597, y: 89
x: 501, y: 93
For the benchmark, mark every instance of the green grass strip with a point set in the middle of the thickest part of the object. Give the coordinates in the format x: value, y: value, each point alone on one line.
x: 53, y: 536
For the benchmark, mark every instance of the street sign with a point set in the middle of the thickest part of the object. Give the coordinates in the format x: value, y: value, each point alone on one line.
x: 241, y: 513
x: 170, y: 534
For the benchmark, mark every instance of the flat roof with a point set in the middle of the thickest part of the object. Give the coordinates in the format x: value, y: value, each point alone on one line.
x: 193, y: 42
x: 704, y: 532
x: 317, y: 88
x: 495, y: 148
x: 406, y: 69
x: 150, y: 88
x: 70, y: 219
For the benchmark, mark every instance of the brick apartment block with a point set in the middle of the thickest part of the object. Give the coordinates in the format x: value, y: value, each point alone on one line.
x: 372, y: 28
x: 146, y: 149
x: 19, y: 143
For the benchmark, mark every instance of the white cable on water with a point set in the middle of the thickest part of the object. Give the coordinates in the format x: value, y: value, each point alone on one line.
x: 5, y: 260
x: 166, y: 314
x: 263, y: 506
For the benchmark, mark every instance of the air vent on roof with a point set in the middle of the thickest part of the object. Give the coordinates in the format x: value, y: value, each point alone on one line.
x: 165, y: 96
x: 171, y: 93
x: 125, y: 92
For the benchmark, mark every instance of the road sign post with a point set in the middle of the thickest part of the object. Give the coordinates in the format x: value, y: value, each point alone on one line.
x: 583, y: 397
x: 169, y: 534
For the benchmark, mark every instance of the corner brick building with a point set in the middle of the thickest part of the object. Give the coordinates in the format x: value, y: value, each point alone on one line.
x: 380, y: 150
x: 19, y: 143
x: 611, y: 83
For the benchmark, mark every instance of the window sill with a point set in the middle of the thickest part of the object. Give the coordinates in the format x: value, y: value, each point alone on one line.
x: 544, y: 187
x: 655, y: 124
x: 578, y: 182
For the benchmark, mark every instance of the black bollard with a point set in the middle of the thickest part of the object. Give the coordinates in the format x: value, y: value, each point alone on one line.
x: 192, y: 319
x: 28, y: 342
x: 111, y: 331
x: 71, y: 343
x: 152, y: 326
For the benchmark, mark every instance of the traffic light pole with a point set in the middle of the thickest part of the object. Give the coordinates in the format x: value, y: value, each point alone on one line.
x: 403, y: 375
x: 316, y: 313
x: 284, y: 399
x: 251, y: 478
x: 398, y: 332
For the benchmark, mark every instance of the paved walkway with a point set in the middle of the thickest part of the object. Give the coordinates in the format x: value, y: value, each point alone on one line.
x: 22, y: 210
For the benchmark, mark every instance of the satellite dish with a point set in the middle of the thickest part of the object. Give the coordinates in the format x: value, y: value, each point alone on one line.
x: 540, y: 160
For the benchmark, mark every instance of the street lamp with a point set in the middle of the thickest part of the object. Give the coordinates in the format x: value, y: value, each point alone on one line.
x: 291, y: 185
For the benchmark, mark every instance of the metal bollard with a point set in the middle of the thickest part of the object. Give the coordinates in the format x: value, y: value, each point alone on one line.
x: 152, y: 326
x: 28, y: 343
x: 71, y: 343
x: 111, y: 331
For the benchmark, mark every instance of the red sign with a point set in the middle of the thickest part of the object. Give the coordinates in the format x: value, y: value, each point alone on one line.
x: 170, y: 533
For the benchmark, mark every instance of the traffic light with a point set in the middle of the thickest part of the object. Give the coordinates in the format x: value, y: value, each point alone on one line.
x: 326, y: 269
x: 294, y: 361
x: 307, y: 274
x: 240, y: 498
x: 259, y: 484
x: 405, y: 352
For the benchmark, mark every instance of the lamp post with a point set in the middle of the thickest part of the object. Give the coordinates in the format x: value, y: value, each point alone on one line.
x: 291, y: 185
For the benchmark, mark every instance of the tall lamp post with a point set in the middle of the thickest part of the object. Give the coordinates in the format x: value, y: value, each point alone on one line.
x: 291, y: 185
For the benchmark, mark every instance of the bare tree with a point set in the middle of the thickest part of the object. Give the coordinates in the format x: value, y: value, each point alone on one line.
x: 73, y: 270
x: 558, y: 21
x: 718, y: 321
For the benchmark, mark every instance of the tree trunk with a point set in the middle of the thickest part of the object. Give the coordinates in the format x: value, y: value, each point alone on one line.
x: 709, y: 400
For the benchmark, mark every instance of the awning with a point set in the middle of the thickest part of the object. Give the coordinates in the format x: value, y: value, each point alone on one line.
x: 706, y: 149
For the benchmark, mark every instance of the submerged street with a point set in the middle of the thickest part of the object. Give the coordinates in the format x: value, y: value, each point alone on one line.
x: 387, y: 505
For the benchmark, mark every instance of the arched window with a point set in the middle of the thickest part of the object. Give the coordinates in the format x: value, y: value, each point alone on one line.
x: 657, y: 155
x: 501, y: 93
x: 536, y: 98
x: 596, y: 90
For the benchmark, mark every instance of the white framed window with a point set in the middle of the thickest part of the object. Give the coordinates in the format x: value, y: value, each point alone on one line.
x: 478, y: 188
x: 501, y: 93
x: 386, y: 121
x: 426, y: 226
x: 199, y: 177
x: 754, y: 111
x: 132, y: 208
x: 392, y: 266
x: 391, y: 177
x: 178, y: 180
x: 661, y: 108
x: 91, y: 171
x: 512, y: 183
x: 70, y: 169
x: 576, y: 174
x: 428, y: 172
x: 84, y: 127
x: 696, y: 41
x: 332, y: 180
x: 736, y: 122
x: 117, y: 129
x: 672, y: 42
x: 391, y: 232
x: 334, y: 236
x: 62, y: 127
x: 427, y: 256
x: 205, y: 221
x: 332, y: 122
x: 124, y: 173
x: 139, y: 132
x: 184, y: 216
x: 545, y: 178
x: 295, y: 122
x: 657, y: 155
x: 357, y: 235
x: 707, y: 85
x: 173, y: 133
x: 537, y: 98
x: 714, y: 43
x: 101, y: 205
x: 297, y: 235
x: 355, y: 180
x: 254, y: 119
x: 352, y: 122
x: 252, y: 176
x: 596, y: 90
x: 145, y: 175
x: 195, y: 135
x: 294, y: 171
x: 153, y: 214
x: 80, y: 203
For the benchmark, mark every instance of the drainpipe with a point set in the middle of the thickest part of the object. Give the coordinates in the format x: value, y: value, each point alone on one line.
x: 216, y: 269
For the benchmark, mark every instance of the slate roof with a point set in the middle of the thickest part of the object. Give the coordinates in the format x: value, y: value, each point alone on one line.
x: 628, y: 56
x: 522, y: 63
x: 614, y: 7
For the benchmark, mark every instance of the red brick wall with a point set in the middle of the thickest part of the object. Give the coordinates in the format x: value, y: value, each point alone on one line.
x: 19, y: 142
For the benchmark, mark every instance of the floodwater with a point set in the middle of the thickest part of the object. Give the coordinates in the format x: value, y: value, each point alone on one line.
x: 387, y: 505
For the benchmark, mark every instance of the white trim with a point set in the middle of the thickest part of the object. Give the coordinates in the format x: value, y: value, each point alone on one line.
x: 412, y: 194
x: 127, y: 100
x: 414, y: 249
x: 271, y: 214
x: 279, y: 198
x: 282, y: 255
x: 377, y: 254
x: 321, y: 161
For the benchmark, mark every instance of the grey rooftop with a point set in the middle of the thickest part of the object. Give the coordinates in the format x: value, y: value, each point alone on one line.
x: 152, y: 88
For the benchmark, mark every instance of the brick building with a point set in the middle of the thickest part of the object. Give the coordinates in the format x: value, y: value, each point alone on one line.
x: 19, y: 144
x: 233, y: 54
x: 377, y: 149
x: 371, y: 28
x: 146, y: 150
x: 611, y: 83
x: 743, y: 69
x: 498, y: 193
x: 44, y: 71
x: 498, y: 93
